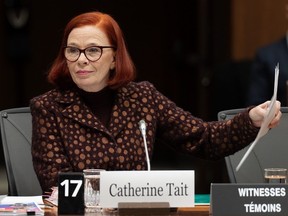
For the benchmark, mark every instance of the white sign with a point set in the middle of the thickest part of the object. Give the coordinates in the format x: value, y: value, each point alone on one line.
x: 174, y: 187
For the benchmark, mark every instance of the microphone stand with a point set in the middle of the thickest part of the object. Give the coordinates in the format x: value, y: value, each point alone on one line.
x: 142, y: 127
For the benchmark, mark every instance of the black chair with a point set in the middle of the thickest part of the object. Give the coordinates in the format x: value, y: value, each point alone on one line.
x: 270, y: 151
x: 16, y: 132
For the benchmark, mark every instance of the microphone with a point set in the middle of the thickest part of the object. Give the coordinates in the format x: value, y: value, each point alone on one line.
x: 142, y: 127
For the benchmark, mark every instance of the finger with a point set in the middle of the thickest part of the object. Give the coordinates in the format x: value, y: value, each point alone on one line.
x: 275, y: 122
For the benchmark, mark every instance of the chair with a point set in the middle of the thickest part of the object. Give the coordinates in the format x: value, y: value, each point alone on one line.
x: 16, y: 132
x: 270, y: 151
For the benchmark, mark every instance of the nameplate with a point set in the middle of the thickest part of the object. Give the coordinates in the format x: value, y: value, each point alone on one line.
x: 249, y: 199
x: 173, y: 187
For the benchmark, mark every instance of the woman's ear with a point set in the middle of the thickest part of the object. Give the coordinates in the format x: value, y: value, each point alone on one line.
x: 112, y: 66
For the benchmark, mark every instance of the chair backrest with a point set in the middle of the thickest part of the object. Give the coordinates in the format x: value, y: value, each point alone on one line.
x: 270, y: 151
x: 16, y: 132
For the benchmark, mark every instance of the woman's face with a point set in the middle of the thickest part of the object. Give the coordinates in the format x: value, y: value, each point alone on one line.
x: 90, y: 76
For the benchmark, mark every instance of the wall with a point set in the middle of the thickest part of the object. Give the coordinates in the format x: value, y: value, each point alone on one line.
x: 254, y: 24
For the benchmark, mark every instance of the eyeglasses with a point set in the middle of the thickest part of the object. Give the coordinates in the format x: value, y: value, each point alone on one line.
x: 92, y: 53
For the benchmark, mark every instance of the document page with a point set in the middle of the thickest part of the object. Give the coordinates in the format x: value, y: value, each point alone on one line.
x: 271, y: 110
x: 21, y: 199
x: 30, y: 208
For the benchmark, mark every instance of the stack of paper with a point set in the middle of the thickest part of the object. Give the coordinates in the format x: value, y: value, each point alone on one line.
x: 21, y: 205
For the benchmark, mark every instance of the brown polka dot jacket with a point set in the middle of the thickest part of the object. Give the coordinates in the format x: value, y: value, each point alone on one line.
x: 68, y: 137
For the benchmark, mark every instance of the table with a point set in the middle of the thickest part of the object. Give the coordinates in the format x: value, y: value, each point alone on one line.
x: 199, y: 210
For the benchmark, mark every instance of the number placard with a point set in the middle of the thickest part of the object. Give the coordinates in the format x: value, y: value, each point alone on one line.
x: 71, y: 193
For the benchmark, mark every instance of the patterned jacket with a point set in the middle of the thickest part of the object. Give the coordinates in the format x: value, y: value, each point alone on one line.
x: 68, y: 137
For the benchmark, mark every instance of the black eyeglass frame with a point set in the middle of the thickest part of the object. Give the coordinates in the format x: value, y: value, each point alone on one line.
x: 83, y: 51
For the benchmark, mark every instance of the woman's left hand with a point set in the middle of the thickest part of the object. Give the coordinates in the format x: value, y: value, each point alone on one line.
x: 257, y: 114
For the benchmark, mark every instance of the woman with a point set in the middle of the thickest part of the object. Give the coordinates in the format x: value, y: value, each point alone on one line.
x: 91, y: 118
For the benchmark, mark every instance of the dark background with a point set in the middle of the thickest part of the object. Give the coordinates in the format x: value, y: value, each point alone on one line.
x: 174, y: 44
x: 183, y: 47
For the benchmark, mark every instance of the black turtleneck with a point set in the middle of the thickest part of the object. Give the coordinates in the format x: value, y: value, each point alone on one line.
x: 100, y: 103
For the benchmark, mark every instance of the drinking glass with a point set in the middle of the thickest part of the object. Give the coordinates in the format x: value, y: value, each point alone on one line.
x: 92, y: 189
x: 275, y: 175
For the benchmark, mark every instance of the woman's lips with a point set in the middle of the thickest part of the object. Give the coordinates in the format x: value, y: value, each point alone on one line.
x: 82, y: 72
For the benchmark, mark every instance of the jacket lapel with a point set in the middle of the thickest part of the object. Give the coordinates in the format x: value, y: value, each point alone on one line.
x: 120, y: 113
x: 74, y: 108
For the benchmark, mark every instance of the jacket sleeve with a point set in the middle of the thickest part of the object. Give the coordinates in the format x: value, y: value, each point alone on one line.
x: 210, y: 140
x: 47, y: 151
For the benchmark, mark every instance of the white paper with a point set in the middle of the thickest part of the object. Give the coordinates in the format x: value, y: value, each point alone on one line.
x: 21, y: 199
x: 270, y: 114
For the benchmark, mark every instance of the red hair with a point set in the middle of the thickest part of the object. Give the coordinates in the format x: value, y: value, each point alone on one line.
x: 124, y: 71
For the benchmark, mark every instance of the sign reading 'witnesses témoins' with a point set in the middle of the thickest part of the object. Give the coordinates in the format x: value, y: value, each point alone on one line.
x: 249, y: 199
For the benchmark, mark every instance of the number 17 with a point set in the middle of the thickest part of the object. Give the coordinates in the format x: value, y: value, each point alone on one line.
x: 65, y: 183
